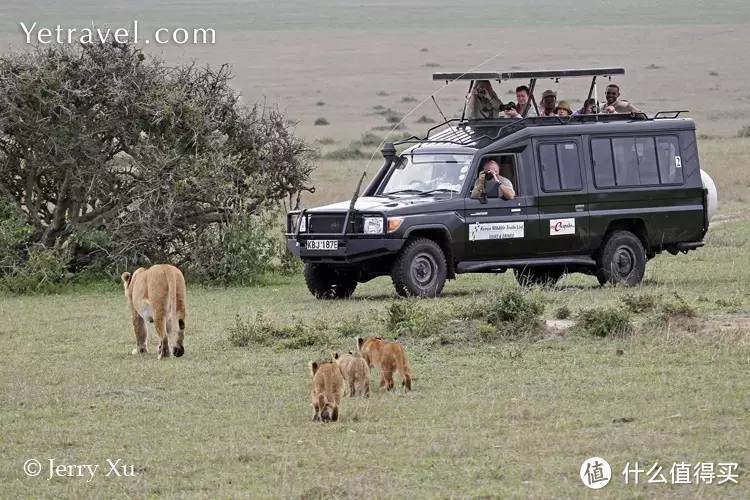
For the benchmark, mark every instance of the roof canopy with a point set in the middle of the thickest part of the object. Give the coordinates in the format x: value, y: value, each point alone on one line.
x: 527, y: 75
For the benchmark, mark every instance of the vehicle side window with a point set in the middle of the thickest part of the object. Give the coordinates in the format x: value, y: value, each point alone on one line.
x: 604, y: 168
x: 570, y: 166
x: 636, y: 161
x: 548, y: 164
x: 507, y: 164
x: 560, y: 167
x: 647, y: 168
x: 626, y: 161
x: 670, y: 164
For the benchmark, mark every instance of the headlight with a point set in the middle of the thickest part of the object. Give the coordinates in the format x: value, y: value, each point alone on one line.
x: 373, y: 225
x: 394, y: 223
x: 303, y: 224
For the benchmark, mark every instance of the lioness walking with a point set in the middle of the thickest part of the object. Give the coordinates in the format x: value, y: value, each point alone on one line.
x: 157, y: 294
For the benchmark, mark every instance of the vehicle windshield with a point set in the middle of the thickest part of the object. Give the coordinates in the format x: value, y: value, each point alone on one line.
x: 427, y: 173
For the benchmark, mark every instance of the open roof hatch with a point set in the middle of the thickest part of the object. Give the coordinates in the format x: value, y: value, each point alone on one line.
x: 532, y: 76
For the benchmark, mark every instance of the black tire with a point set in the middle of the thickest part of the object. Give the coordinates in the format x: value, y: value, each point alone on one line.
x: 621, y: 260
x: 541, y: 276
x: 420, y: 269
x: 326, y: 282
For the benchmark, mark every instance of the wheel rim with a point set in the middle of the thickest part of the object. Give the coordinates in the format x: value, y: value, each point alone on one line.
x: 423, y: 269
x: 624, y: 261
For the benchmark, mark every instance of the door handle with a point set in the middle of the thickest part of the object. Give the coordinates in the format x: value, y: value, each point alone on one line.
x: 580, y: 208
x: 515, y: 210
x: 477, y: 213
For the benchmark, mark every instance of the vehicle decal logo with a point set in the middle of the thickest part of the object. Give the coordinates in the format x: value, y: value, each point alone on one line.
x: 495, y: 230
x: 562, y: 226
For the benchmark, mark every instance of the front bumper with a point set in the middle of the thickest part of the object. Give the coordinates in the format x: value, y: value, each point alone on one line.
x: 351, y: 249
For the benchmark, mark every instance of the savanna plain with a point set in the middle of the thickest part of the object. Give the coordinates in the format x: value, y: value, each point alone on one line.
x: 494, y: 411
x: 501, y: 408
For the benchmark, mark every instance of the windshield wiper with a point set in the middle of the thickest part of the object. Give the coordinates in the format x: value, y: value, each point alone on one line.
x: 440, y: 190
x: 404, y: 191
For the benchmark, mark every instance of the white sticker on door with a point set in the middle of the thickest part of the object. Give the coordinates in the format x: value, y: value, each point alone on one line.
x: 495, y: 230
x: 562, y: 226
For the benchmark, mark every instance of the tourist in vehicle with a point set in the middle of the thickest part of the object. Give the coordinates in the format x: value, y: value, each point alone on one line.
x: 549, y: 102
x: 491, y: 184
x: 563, y: 109
x: 484, y: 104
x: 589, y: 108
x: 522, y: 100
x: 616, y: 105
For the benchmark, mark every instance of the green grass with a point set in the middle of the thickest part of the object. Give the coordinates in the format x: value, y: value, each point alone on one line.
x: 489, y: 415
x: 503, y: 418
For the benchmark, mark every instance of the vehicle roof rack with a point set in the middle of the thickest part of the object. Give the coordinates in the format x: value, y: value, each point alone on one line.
x: 470, y: 133
x: 669, y: 114
x: 526, y: 75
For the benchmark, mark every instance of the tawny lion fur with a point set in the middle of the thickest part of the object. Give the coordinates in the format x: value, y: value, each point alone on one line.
x: 326, y: 392
x: 388, y: 357
x: 157, y: 295
x: 356, y: 373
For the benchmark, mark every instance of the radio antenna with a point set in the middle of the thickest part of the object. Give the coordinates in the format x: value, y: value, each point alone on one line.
x: 442, y: 114
x: 356, y: 191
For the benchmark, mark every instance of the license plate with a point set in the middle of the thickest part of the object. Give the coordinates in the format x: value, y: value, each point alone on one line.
x: 322, y: 244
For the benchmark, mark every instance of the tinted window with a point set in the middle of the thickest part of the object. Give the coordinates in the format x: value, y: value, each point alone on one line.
x: 570, y: 169
x: 670, y: 163
x: 560, y: 167
x: 640, y: 161
x: 550, y: 174
x: 626, y: 162
x: 604, y: 169
x: 647, y: 168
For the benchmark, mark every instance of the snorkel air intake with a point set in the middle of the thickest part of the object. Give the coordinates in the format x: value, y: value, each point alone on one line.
x: 389, y: 151
x: 390, y: 156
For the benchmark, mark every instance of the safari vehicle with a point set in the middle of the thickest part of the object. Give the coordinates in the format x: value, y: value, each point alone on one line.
x: 596, y: 194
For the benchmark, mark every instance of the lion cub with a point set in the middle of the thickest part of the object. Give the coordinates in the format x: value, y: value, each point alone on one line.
x: 355, y: 371
x: 327, y: 389
x: 387, y: 357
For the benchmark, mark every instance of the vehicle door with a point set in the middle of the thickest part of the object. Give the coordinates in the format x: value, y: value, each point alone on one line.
x: 496, y: 228
x: 562, y: 197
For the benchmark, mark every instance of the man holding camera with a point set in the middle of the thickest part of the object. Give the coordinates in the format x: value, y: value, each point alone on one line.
x: 491, y: 184
x: 517, y: 110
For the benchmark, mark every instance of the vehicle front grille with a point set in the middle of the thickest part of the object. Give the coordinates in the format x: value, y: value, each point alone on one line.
x: 327, y: 223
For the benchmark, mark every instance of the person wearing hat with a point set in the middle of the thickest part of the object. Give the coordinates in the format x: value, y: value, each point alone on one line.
x: 563, y: 109
x: 549, y: 101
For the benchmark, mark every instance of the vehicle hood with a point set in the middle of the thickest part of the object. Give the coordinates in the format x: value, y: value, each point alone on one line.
x: 382, y: 204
